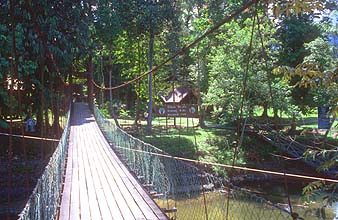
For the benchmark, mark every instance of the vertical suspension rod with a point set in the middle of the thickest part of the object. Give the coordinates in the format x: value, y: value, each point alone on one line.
x: 239, y: 142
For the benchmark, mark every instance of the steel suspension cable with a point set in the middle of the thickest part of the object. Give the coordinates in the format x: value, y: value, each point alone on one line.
x: 184, y: 49
x: 265, y: 56
x: 240, y: 134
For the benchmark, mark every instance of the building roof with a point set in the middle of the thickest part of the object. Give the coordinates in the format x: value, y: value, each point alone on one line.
x: 177, y: 95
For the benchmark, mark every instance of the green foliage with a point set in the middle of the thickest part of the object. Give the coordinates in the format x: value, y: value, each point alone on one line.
x: 315, y: 190
x: 309, y: 62
x: 227, y: 67
x: 124, y: 114
x: 55, y: 38
x: 296, y: 8
x: 3, y: 124
x: 105, y: 112
x: 293, y: 32
x: 321, y: 53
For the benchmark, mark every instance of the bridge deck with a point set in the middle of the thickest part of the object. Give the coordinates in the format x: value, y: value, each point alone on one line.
x: 97, y: 184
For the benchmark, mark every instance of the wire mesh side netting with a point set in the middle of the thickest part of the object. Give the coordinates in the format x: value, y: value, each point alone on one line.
x: 43, y: 202
x: 183, y: 189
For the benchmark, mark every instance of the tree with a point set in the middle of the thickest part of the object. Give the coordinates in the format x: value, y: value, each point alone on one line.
x: 107, y: 27
x: 48, y: 36
x: 296, y: 29
x: 151, y: 17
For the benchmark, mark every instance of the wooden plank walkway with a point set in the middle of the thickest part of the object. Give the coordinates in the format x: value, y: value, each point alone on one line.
x: 97, y: 184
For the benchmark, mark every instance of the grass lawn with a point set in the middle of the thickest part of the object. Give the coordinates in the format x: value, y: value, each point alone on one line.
x: 305, y: 121
x: 258, y: 110
x: 188, y: 140
x: 185, y: 139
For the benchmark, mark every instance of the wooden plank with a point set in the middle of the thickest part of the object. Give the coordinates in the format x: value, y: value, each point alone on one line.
x: 97, y: 184
x: 84, y: 198
x: 107, y: 200
x: 74, y: 202
x: 97, y: 179
x: 143, y: 194
x: 122, y: 195
x: 141, y: 197
x: 133, y: 197
x: 113, y: 186
x: 92, y: 197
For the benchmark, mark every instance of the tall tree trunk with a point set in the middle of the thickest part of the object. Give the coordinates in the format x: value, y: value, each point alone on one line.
x: 150, y: 81
x: 42, y: 103
x: 39, y: 119
x: 275, y: 113
x: 111, y: 109
x: 90, y: 83
x: 71, y: 86
x: 200, y: 108
x: 56, y: 128
x: 39, y: 95
x: 199, y: 97
x: 46, y: 120
x: 173, y: 91
x: 102, y: 83
x: 293, y: 127
x: 265, y: 110
x: 328, y: 130
x: 138, y: 87
x: 38, y: 109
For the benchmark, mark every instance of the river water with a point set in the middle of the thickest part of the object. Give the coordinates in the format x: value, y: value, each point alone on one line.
x: 315, y: 209
x: 240, y: 209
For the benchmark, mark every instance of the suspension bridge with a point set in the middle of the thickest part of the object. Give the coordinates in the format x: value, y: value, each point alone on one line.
x: 100, y: 172
x: 97, y: 185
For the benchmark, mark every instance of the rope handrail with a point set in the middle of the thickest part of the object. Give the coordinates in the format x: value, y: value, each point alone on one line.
x: 30, y: 137
x: 43, y: 202
x: 180, y: 186
x: 299, y: 176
